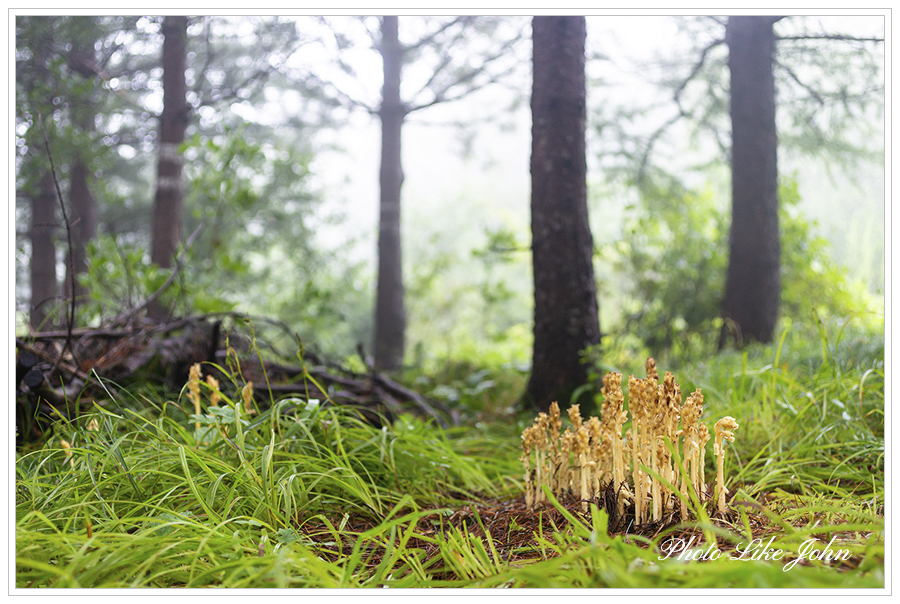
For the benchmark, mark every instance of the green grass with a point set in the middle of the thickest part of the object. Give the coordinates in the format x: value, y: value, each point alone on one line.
x: 305, y: 496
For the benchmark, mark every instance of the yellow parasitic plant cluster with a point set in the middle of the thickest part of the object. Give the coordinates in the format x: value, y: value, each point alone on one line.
x: 584, y: 459
x: 215, y: 395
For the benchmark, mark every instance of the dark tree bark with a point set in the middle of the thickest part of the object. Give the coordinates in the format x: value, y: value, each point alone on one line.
x: 390, y: 315
x: 172, y: 124
x: 84, y: 212
x: 84, y: 226
x: 753, y: 285
x: 565, y: 296
x: 43, y: 253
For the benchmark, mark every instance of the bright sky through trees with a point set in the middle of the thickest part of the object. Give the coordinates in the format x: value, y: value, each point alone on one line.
x: 484, y: 167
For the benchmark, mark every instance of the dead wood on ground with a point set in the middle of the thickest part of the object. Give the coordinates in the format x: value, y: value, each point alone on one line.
x: 50, y: 384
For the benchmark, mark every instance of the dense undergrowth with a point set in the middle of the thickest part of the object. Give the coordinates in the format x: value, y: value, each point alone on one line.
x: 306, y: 495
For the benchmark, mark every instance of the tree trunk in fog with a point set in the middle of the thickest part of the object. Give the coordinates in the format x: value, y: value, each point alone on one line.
x: 43, y: 253
x: 172, y: 125
x: 84, y: 212
x: 565, y: 297
x: 390, y: 316
x: 84, y: 226
x: 753, y: 286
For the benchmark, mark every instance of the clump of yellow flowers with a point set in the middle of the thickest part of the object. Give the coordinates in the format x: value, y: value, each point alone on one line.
x: 586, y: 458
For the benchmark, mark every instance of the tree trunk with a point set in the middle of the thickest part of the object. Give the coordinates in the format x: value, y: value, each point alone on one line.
x: 84, y: 226
x: 753, y: 286
x: 565, y: 296
x: 390, y: 316
x: 43, y: 254
x: 172, y: 125
x: 84, y: 211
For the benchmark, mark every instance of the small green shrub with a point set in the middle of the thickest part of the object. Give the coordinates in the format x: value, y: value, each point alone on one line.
x: 674, y: 257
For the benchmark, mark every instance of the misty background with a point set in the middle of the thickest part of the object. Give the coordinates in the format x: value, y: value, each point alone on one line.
x: 466, y: 194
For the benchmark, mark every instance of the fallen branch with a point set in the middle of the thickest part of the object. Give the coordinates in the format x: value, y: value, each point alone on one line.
x: 73, y: 372
x: 82, y: 332
x: 164, y: 353
x: 405, y: 392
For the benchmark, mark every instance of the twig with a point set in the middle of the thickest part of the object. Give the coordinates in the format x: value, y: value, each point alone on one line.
x: 651, y: 142
x: 467, y: 79
x: 682, y: 113
x: 806, y: 87
x: 71, y: 318
x: 828, y: 37
x: 179, y: 263
x: 84, y: 331
x: 260, y: 75
x: 698, y: 66
x: 389, y: 384
x: 429, y: 39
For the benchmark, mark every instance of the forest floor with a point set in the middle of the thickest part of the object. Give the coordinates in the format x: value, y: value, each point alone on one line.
x: 144, y: 493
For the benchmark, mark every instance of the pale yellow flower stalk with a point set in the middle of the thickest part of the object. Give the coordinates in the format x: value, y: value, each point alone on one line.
x: 566, y: 445
x: 598, y: 472
x: 648, y: 391
x: 247, y: 396
x: 527, y: 446
x: 658, y: 490
x: 608, y: 421
x: 671, y: 414
x: 538, y: 475
x: 656, y: 429
x: 724, y: 431
x: 642, y: 403
x: 690, y: 433
x: 67, y: 447
x: 627, y: 447
x: 652, y: 393
x: 582, y: 437
x: 612, y: 451
x: 214, y: 394
x: 93, y: 426
x: 194, y: 389
x: 555, y: 426
x: 543, y: 476
x: 620, y: 416
x: 704, y: 438
x: 636, y: 406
